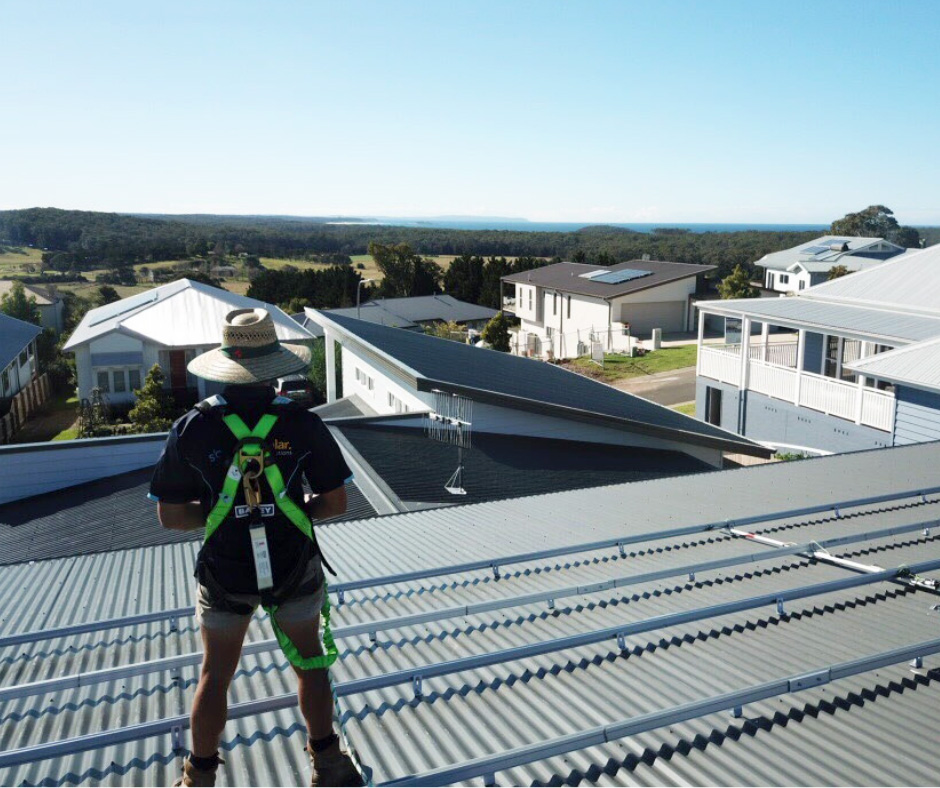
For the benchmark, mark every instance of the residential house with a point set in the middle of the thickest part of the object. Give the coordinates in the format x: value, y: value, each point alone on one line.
x: 18, y: 355
x: 414, y: 314
x: 567, y: 308
x: 400, y: 373
x: 857, y: 367
x: 51, y: 306
x: 703, y: 629
x: 116, y: 345
x: 800, y: 267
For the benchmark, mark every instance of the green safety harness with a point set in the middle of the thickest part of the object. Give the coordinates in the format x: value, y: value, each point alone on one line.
x: 251, y: 458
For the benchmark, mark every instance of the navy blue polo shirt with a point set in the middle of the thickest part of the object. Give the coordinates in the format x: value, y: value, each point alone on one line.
x: 197, y: 455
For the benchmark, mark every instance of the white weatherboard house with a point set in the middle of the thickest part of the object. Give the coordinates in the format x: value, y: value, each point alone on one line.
x: 861, y: 369
x: 800, y: 267
x: 117, y: 344
x: 50, y: 305
x: 395, y: 373
x: 567, y: 308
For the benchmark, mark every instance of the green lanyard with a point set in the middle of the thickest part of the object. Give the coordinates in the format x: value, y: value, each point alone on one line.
x: 252, y: 444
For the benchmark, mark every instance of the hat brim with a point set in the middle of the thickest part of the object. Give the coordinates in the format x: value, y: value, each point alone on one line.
x: 214, y: 365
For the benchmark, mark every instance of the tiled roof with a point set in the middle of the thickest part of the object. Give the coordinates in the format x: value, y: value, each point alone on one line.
x: 870, y: 728
x: 568, y: 277
x: 522, y: 383
x: 15, y: 335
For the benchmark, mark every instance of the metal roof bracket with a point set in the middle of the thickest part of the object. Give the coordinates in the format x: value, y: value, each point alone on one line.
x: 917, y: 663
x: 416, y: 686
x: 808, y: 680
x: 623, y: 553
x: 176, y: 732
x: 340, y: 597
x: 373, y: 636
x: 780, y: 609
x: 838, y: 513
x: 489, y: 780
x: 173, y: 624
x: 551, y: 604
x: 495, y: 571
x: 621, y: 642
x: 737, y: 712
x: 691, y: 577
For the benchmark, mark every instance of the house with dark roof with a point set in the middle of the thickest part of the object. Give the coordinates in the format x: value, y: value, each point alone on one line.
x: 414, y: 314
x: 18, y: 355
x: 858, y: 366
x: 48, y: 301
x: 795, y: 269
x: 566, y: 309
x: 397, y: 374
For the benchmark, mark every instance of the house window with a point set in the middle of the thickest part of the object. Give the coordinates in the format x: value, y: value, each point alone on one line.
x: 530, y: 298
x: 120, y: 381
x: 24, y: 358
x: 713, y: 405
x: 784, y: 279
x: 569, y: 307
x: 103, y: 381
x: 554, y: 303
x: 133, y: 379
x: 802, y: 284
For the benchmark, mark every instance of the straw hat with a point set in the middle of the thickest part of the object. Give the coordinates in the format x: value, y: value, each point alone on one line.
x: 250, y: 352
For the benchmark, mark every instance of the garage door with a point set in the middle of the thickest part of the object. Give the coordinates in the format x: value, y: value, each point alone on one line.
x: 643, y: 318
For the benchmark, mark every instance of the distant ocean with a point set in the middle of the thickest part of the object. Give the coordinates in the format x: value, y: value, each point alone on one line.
x: 568, y: 227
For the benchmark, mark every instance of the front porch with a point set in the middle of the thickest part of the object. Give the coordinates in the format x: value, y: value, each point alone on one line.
x: 806, y: 371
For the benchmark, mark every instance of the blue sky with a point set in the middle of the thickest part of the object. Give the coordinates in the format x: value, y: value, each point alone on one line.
x: 552, y: 111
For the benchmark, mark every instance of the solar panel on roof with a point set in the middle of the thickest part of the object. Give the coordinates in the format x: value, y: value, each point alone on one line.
x: 623, y: 275
x: 815, y: 249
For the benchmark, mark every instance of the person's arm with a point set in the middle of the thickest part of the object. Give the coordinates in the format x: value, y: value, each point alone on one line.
x: 181, y: 516
x: 327, y: 504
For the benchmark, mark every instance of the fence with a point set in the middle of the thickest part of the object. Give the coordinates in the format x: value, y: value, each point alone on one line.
x: 571, y: 344
x: 24, y: 404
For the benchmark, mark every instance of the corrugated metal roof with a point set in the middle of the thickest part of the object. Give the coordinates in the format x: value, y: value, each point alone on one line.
x: 526, y: 381
x: 819, y: 250
x: 405, y: 312
x: 909, y: 283
x: 837, y: 318
x: 872, y: 728
x: 178, y: 314
x: 15, y: 335
x: 568, y: 277
x: 916, y: 364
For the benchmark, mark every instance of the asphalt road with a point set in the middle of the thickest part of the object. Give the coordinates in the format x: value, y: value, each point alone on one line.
x: 666, y: 388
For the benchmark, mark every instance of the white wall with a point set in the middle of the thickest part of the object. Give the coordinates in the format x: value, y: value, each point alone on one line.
x: 115, y: 342
x: 525, y: 293
x: 33, y: 469
x: 377, y: 397
x: 793, y: 281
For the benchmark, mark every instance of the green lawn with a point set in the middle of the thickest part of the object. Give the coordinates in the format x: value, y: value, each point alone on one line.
x: 688, y: 408
x: 619, y: 367
x: 15, y: 259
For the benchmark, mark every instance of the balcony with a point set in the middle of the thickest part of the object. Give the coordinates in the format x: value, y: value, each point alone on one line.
x: 772, y: 371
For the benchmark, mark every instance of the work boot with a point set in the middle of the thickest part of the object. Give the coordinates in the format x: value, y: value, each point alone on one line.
x: 332, y: 766
x: 197, y: 778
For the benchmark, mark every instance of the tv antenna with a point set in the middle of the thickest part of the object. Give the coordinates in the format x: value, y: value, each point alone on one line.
x: 450, y: 423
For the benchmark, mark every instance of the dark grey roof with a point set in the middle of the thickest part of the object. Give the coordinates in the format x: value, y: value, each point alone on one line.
x: 108, y: 514
x: 15, y: 335
x: 567, y: 277
x: 513, y: 381
x: 306, y: 322
x: 406, y: 312
x: 503, y: 466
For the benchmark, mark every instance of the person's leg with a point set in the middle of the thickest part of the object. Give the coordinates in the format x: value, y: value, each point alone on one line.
x: 313, y: 686
x: 222, y: 650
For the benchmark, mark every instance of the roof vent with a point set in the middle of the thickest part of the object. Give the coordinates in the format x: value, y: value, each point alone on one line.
x: 842, y: 247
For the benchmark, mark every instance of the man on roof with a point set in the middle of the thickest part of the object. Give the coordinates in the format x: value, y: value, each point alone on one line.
x: 235, y: 465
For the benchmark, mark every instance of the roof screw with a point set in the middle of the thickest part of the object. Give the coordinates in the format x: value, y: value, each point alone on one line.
x: 737, y: 712
x: 780, y: 610
x: 917, y: 663
x: 416, y: 686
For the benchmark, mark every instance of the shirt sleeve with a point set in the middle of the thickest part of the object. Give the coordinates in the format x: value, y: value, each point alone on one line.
x: 174, y: 480
x: 324, y: 466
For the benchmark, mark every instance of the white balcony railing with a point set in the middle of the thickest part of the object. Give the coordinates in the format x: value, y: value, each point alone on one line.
x: 849, y: 401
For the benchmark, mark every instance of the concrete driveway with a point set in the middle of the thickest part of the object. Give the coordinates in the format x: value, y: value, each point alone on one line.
x: 666, y: 388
